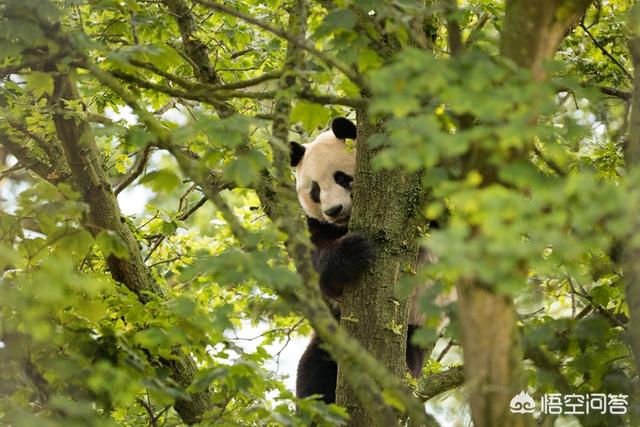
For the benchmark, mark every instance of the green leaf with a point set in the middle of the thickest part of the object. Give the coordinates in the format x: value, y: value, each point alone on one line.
x: 77, y: 243
x: 152, y: 338
x: 245, y: 169
x: 40, y: 83
x: 138, y: 136
x: 111, y: 244
x: 341, y: 19
x: 161, y: 180
x: 368, y: 59
x: 392, y: 400
x: 593, y: 329
x: 312, y: 116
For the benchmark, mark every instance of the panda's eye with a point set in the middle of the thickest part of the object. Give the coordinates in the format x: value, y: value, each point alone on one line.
x: 343, y: 180
x: 315, y: 192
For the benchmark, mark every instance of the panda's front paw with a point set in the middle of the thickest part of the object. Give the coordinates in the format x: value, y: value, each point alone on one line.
x: 356, y: 254
x: 343, y: 263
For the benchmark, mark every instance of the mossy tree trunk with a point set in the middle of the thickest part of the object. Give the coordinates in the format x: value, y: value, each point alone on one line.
x: 630, y: 252
x: 385, y: 210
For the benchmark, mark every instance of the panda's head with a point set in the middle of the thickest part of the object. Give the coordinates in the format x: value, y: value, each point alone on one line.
x: 324, y: 172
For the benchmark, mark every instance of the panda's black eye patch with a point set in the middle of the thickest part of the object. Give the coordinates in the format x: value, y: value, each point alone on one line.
x: 315, y: 192
x: 343, y: 180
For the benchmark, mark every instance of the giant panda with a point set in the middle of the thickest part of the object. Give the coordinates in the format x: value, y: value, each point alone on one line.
x: 324, y: 172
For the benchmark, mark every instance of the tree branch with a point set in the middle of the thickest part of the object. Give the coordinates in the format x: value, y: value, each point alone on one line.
x: 242, y: 84
x: 605, y: 51
x: 52, y: 149
x: 453, y: 27
x: 216, y: 95
x: 624, y: 95
x: 191, y: 167
x: 332, y: 100
x: 435, y: 384
x: 197, y: 93
x: 30, y: 161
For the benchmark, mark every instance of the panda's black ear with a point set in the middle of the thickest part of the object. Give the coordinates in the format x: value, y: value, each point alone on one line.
x: 343, y: 128
x: 297, y: 151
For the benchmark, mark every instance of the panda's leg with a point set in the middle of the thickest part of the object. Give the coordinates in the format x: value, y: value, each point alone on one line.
x: 317, y: 373
x: 415, y: 354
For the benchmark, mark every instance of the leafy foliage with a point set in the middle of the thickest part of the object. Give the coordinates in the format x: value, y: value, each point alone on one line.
x: 525, y: 178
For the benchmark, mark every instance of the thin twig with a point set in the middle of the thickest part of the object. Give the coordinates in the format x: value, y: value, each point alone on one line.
x: 171, y: 77
x: 599, y: 308
x: 239, y: 53
x: 193, y: 209
x: 605, y: 51
x: 549, y: 163
x: 473, y: 34
x: 153, y: 420
x: 445, y: 350
x: 175, y: 258
x: 7, y: 172
x: 138, y: 168
x: 182, y: 217
x: 242, y: 84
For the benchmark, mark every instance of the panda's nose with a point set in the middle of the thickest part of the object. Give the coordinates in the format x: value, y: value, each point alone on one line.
x: 334, y: 211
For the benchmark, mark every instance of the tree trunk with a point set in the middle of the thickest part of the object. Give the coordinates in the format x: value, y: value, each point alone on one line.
x: 384, y: 210
x: 631, y: 253
x: 492, y: 355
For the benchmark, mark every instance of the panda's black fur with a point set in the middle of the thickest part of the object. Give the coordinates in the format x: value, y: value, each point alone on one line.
x: 340, y: 260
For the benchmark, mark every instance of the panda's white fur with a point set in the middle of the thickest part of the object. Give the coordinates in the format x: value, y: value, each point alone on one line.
x: 325, y: 155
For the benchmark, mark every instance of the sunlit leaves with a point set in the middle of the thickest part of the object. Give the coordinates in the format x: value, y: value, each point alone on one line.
x: 40, y: 83
x: 424, y: 94
x: 312, y: 116
x: 235, y: 266
x: 338, y: 20
x: 526, y: 179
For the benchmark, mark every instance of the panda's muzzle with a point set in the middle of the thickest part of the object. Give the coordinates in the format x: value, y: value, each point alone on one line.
x: 334, y: 211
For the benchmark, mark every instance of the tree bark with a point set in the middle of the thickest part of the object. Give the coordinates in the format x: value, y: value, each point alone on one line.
x: 533, y: 30
x: 631, y: 253
x: 385, y: 210
x: 492, y: 355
